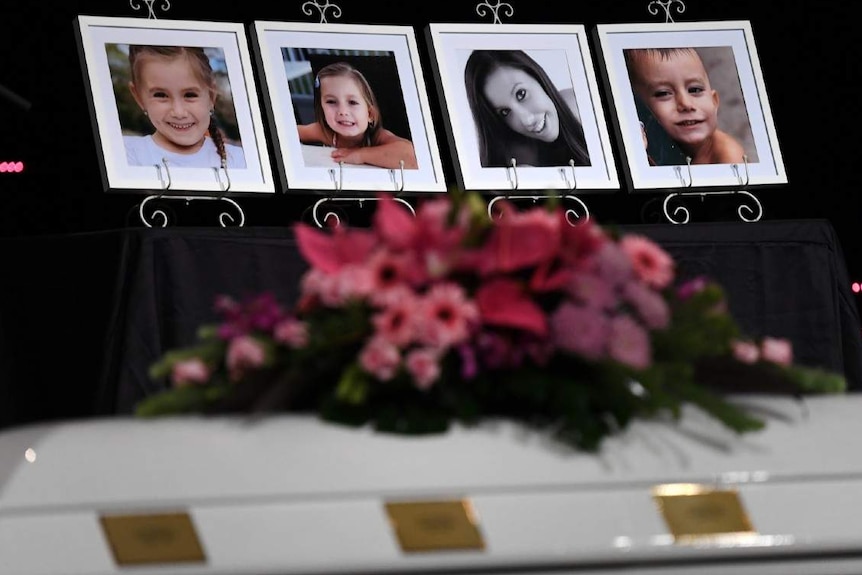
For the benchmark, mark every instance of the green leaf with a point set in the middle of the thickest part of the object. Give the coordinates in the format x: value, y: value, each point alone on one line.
x: 353, y: 386
x: 188, y: 399
x: 734, y: 417
x: 816, y: 380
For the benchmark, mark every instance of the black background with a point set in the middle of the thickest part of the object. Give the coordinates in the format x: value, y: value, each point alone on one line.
x: 808, y: 53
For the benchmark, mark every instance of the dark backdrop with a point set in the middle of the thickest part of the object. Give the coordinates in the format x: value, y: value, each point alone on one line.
x: 808, y: 54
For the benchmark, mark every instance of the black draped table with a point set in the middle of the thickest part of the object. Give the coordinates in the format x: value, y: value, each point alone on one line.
x: 84, y: 315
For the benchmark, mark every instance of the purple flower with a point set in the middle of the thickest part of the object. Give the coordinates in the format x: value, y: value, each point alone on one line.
x: 580, y: 330
x: 691, y: 287
x: 629, y: 343
x: 649, y: 304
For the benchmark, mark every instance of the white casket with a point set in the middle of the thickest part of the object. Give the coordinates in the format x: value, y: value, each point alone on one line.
x: 292, y: 494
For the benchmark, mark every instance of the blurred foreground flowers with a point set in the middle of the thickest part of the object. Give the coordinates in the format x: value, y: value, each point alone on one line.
x: 419, y: 321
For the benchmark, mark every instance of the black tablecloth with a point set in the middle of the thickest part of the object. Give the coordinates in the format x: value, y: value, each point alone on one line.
x: 85, y: 315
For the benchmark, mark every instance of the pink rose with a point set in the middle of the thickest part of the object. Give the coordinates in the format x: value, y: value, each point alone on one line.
x: 424, y: 366
x: 380, y: 358
x: 291, y: 332
x: 190, y: 371
x: 629, y: 343
x: 745, y: 351
x: 244, y: 352
x: 776, y: 350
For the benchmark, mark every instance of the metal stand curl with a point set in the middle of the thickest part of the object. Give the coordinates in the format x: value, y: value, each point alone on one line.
x: 165, y: 5
x: 323, y: 222
x: 666, y: 5
x: 224, y: 218
x: 321, y: 9
x: 484, y: 8
x: 337, y: 177
x: 573, y: 216
x: 682, y: 215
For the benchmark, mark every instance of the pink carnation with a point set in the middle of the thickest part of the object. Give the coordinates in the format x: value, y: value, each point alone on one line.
x: 380, y: 358
x: 629, y: 343
x: 775, y: 350
x: 291, y: 332
x: 612, y: 264
x: 244, y: 352
x: 580, y: 330
x: 189, y: 371
x: 745, y: 351
x: 592, y: 291
x: 651, y: 263
x: 424, y: 365
x: 650, y: 305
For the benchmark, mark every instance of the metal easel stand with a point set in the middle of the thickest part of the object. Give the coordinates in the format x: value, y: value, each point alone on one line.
x: 681, y: 214
x: 573, y: 215
x: 331, y: 218
x: 328, y: 216
x: 160, y: 218
x: 749, y: 210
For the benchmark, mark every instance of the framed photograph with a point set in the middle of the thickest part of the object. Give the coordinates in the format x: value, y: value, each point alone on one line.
x: 522, y: 107
x: 689, y: 105
x: 174, y: 106
x: 348, y: 107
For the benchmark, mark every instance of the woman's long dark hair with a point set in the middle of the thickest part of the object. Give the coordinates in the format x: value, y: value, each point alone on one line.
x: 495, y: 137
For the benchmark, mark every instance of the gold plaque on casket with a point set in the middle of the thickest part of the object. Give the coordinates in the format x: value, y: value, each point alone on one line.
x: 152, y: 538
x: 694, y: 512
x: 435, y: 525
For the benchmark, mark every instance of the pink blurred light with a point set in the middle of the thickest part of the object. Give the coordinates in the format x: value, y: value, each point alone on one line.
x: 11, y: 167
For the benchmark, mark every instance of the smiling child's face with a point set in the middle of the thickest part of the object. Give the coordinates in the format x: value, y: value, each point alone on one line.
x: 176, y: 101
x: 345, y: 109
x: 677, y: 91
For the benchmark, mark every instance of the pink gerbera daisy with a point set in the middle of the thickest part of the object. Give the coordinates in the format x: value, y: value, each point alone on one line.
x: 446, y: 317
x: 395, y: 322
x: 651, y: 263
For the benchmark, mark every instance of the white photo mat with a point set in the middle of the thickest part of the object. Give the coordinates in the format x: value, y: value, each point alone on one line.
x: 96, y: 33
x: 302, y: 167
x: 768, y: 165
x: 563, y: 52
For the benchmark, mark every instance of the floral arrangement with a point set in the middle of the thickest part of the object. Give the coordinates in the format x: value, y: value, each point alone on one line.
x: 446, y: 315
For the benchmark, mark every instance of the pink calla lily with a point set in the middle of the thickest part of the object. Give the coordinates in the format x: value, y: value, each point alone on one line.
x: 503, y: 302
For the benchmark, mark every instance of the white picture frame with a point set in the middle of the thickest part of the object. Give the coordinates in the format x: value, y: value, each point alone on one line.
x: 102, y: 41
x: 563, y: 52
x: 729, y: 56
x: 287, y: 54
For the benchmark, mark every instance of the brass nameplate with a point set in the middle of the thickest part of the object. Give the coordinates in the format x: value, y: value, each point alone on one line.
x: 697, y: 511
x: 435, y: 525
x: 161, y: 538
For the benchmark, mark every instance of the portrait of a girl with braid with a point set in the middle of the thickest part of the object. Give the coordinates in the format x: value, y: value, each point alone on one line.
x: 176, y: 90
